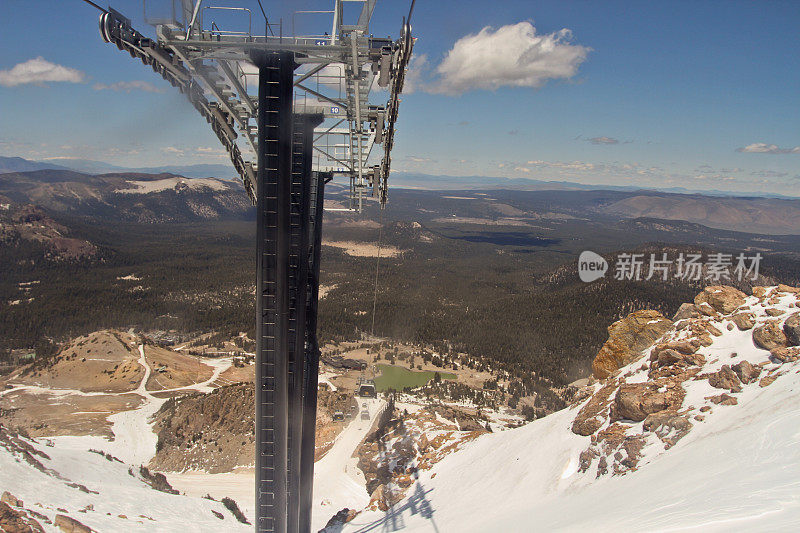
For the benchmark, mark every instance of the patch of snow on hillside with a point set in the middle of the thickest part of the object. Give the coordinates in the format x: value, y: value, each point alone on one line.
x: 146, y: 187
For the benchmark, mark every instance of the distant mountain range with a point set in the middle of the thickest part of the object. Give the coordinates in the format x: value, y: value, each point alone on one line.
x: 169, y: 197
x: 398, y: 179
x: 133, y: 197
x: 440, y: 182
x: 18, y: 164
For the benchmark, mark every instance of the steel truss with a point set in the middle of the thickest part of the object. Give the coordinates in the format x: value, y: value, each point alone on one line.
x: 294, y: 139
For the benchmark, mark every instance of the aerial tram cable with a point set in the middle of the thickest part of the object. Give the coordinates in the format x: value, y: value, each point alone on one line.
x: 377, y: 263
x: 95, y: 6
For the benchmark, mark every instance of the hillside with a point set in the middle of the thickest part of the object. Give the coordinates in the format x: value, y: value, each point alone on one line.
x: 130, y: 197
x: 687, y: 422
x: 756, y: 215
x: 702, y: 437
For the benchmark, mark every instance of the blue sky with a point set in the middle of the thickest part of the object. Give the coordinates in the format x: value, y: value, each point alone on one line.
x: 634, y: 93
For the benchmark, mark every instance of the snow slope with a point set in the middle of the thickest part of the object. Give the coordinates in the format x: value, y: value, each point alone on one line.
x: 736, y: 469
x: 338, y: 482
x: 122, y: 503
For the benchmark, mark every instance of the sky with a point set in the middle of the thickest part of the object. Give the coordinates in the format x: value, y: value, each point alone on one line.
x: 701, y: 95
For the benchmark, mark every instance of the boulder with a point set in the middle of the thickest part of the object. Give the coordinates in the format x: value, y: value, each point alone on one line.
x: 383, y: 498
x: 746, y: 372
x: 789, y: 289
x: 340, y: 518
x: 767, y: 380
x: 744, y: 321
x: 669, y: 357
x: 627, y: 338
x: 726, y: 378
x: 669, y: 426
x: 10, y: 499
x: 13, y: 521
x: 593, y: 415
x: 785, y: 355
x: 723, y: 399
x: 791, y: 328
x: 771, y: 311
x: 70, y: 525
x: 719, y: 298
x: 686, y: 311
x: 769, y: 336
x: 635, y: 401
x: 760, y: 292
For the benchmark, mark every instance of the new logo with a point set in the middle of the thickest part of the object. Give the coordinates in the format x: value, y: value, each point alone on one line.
x: 591, y: 266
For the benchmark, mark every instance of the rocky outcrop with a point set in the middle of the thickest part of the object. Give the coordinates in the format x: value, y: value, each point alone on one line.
x: 725, y: 378
x: 668, y: 425
x: 791, y: 328
x: 769, y: 336
x: 214, y: 432
x: 723, y: 399
x: 638, y: 400
x: 627, y: 339
x: 592, y: 416
x: 686, y: 311
x: 647, y: 400
x: 17, y: 521
x: 785, y: 355
x: 719, y: 299
x: 746, y: 371
x: 744, y: 321
x: 70, y: 525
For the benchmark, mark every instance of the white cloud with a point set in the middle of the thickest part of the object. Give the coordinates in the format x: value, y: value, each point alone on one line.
x: 513, y: 55
x: 38, y: 71
x: 763, y: 148
x: 416, y: 69
x: 129, y: 86
x: 603, y: 140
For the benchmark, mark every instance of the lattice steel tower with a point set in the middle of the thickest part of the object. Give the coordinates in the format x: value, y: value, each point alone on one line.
x: 292, y: 112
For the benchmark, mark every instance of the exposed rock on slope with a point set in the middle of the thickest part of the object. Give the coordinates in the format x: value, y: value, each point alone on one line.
x: 627, y: 338
x: 702, y: 362
x: 30, y: 223
x: 213, y: 432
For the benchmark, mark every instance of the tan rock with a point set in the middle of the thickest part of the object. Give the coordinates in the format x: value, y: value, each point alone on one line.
x: 725, y: 378
x: 785, y: 355
x: 744, y: 321
x: 791, y: 328
x: 760, y: 292
x: 767, y: 380
x: 669, y: 426
x: 771, y: 311
x: 789, y: 289
x: 746, y: 372
x: 627, y: 339
x: 13, y: 521
x: 634, y: 401
x: 70, y: 525
x: 723, y: 399
x: 686, y: 311
x: 10, y: 499
x: 769, y: 336
x: 719, y: 298
x: 593, y: 415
